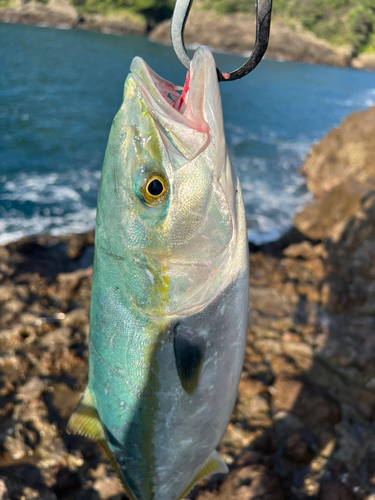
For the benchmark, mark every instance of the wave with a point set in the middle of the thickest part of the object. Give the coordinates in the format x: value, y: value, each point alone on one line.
x: 55, y: 203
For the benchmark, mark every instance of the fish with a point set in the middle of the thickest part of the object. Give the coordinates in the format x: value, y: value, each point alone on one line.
x: 170, y: 286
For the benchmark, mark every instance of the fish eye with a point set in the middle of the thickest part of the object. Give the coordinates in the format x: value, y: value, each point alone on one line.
x: 154, y: 189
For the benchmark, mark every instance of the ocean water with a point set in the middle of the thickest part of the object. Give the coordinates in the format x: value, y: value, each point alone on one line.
x: 60, y: 89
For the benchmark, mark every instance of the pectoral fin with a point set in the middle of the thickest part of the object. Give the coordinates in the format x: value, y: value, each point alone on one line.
x: 214, y: 465
x: 189, y: 356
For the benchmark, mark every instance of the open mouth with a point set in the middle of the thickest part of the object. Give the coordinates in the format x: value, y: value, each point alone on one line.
x: 184, y: 105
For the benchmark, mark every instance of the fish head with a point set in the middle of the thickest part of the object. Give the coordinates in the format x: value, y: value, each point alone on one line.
x: 169, y: 196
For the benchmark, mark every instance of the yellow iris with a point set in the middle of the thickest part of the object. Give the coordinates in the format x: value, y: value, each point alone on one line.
x: 155, y: 189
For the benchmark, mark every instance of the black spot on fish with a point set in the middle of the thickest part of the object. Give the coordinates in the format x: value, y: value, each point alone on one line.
x: 189, y: 355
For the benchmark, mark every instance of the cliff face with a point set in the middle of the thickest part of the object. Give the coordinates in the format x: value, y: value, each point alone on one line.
x: 302, y: 427
x: 236, y: 33
x: 61, y: 13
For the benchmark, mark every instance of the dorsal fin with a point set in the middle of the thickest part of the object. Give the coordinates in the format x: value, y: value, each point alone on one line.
x: 189, y: 356
x: 214, y: 465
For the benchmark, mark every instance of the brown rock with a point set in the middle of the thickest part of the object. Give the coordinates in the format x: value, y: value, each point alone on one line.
x: 109, y: 487
x: 31, y: 390
x: 254, y: 482
x: 60, y: 336
x: 327, y: 443
x: 285, y: 393
x: 333, y: 206
x: 305, y: 250
x: 347, y: 151
x: 364, y: 61
x: 297, y: 449
x: 284, y: 367
x: 335, y: 490
x: 236, y: 33
x: 62, y: 13
x: 296, y: 349
x: 312, y: 405
x: 249, y: 387
x: 4, y: 495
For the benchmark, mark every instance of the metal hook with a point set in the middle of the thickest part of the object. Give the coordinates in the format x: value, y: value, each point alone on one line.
x: 263, y: 21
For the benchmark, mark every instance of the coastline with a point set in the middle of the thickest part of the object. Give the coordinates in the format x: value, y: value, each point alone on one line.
x: 234, y: 33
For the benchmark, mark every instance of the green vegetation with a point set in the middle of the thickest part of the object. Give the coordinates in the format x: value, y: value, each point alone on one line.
x: 340, y: 22
x: 154, y: 10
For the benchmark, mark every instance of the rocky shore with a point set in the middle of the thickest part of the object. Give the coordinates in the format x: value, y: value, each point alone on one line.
x: 303, y: 425
x: 232, y: 33
x: 62, y: 14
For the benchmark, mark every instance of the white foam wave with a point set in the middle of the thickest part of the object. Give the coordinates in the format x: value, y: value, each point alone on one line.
x: 14, y: 228
x: 359, y: 101
x: 61, y: 203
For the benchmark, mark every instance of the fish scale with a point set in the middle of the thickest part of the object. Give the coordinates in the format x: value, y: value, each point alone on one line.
x: 170, y: 289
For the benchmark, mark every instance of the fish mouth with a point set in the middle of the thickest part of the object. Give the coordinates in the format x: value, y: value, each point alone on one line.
x: 184, y: 114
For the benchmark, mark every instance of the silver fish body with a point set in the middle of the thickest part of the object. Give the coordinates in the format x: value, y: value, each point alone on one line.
x: 170, y: 289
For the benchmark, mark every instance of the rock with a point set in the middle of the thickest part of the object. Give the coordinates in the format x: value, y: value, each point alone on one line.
x: 6, y: 292
x: 333, y: 207
x: 60, y: 336
x: 254, y: 482
x: 3, y: 490
x: 31, y: 390
x: 236, y: 33
x: 297, y: 449
x: 348, y: 151
x: 66, y: 481
x: 109, y: 487
x: 305, y: 250
x: 311, y: 405
x: 327, y: 443
x: 364, y: 61
x: 62, y: 13
x: 296, y: 349
x: 335, y: 490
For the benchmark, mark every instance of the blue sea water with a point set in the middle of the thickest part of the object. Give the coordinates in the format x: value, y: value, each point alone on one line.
x: 60, y: 89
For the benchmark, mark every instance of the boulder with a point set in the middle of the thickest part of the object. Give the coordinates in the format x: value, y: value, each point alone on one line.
x: 348, y: 151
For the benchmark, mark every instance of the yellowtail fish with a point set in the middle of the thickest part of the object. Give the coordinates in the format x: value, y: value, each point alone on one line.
x: 170, y: 287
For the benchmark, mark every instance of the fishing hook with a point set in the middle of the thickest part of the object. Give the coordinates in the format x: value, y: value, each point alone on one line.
x: 263, y: 21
